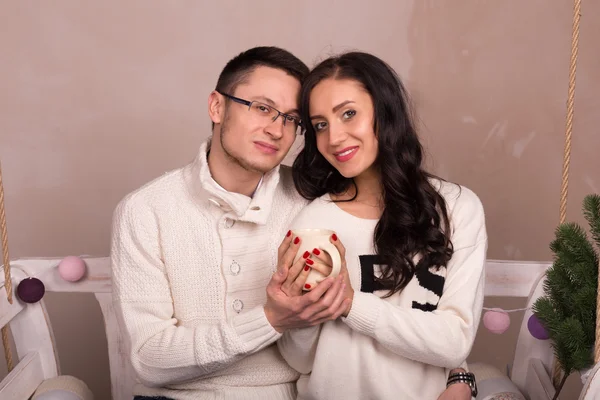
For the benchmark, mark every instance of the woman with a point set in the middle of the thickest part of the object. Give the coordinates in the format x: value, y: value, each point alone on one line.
x: 415, y: 245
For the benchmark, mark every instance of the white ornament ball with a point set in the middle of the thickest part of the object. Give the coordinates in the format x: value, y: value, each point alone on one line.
x: 71, y: 268
x: 496, y: 320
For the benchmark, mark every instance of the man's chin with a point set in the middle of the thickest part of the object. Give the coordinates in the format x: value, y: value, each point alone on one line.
x: 259, y: 166
x: 264, y: 164
x: 263, y: 169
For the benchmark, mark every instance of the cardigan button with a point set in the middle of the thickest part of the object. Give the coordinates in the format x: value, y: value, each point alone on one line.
x: 229, y: 222
x: 255, y: 208
x: 235, y: 268
x: 237, y: 305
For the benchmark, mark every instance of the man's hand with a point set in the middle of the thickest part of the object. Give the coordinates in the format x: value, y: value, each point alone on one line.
x: 326, y: 302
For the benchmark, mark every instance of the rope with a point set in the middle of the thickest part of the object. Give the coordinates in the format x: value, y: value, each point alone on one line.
x: 570, y: 103
x: 7, y: 278
x: 597, y: 351
x: 557, y: 372
x: 7, y: 349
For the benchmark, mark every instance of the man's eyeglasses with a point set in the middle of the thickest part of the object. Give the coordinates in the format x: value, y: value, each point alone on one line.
x: 291, y: 123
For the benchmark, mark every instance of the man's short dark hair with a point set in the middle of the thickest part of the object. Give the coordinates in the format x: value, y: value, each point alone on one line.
x: 241, y: 66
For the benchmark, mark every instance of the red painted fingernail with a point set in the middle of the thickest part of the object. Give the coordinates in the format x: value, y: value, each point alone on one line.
x: 306, y: 268
x: 306, y: 254
x: 307, y: 286
x: 310, y: 262
x: 334, y: 237
x: 316, y: 251
x: 297, y: 240
x: 288, y: 234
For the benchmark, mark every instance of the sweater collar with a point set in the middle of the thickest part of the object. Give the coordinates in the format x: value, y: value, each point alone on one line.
x: 255, y: 209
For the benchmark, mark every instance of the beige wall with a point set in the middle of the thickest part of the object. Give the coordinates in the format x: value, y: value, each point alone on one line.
x: 97, y: 98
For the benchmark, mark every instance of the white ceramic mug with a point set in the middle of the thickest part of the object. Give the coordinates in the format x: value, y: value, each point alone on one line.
x: 318, y: 239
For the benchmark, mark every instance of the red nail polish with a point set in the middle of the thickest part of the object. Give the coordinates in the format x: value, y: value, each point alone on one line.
x: 316, y: 251
x: 297, y: 240
x: 310, y: 262
x: 288, y: 234
x: 334, y: 237
x: 306, y: 268
x: 307, y: 286
x: 306, y: 254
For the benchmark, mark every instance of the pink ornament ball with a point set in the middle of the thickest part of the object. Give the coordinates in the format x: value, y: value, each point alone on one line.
x: 496, y: 320
x: 535, y: 327
x: 71, y: 268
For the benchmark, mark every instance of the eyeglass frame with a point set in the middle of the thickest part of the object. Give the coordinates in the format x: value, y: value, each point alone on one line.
x: 279, y: 113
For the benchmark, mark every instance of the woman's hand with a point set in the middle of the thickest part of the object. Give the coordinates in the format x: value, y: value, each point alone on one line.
x: 320, y: 261
x: 348, y: 291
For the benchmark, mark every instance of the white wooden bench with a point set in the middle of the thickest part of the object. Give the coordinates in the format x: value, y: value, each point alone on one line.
x: 38, y: 360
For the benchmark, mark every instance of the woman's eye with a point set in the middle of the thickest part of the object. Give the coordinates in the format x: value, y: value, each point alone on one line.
x: 349, y: 114
x: 319, y: 126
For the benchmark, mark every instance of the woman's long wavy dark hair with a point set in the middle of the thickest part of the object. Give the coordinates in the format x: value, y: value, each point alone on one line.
x: 414, y: 224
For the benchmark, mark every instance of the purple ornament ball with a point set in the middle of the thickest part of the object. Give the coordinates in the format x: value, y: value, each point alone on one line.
x: 31, y: 290
x: 536, y: 328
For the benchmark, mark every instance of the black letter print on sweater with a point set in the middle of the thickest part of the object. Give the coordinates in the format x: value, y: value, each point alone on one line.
x: 368, y: 284
x: 430, y: 282
x: 433, y: 283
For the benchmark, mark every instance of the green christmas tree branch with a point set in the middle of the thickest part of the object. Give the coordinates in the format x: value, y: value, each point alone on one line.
x: 568, y: 307
x: 591, y: 211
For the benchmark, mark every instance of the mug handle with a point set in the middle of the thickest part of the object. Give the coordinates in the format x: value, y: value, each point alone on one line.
x: 336, y: 260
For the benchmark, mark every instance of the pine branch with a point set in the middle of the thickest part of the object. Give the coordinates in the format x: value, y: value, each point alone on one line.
x: 585, y: 304
x: 560, y: 386
x: 572, y: 333
x: 591, y: 211
x: 546, y: 313
x: 568, y: 307
x: 557, y: 289
x: 572, y: 245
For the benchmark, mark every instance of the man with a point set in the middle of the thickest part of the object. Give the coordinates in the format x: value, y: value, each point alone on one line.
x: 194, y: 252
